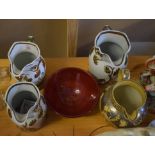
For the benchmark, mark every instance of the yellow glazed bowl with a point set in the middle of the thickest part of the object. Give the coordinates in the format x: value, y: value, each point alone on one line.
x: 124, y: 103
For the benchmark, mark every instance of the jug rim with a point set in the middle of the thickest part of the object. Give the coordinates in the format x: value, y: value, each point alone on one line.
x: 118, y: 33
x: 114, y: 32
x: 138, y: 87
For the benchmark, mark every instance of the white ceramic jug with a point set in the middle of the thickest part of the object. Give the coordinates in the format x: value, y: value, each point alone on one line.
x: 25, y: 106
x: 110, y: 53
x: 26, y: 63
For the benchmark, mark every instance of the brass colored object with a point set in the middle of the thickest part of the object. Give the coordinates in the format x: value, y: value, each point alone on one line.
x: 124, y: 103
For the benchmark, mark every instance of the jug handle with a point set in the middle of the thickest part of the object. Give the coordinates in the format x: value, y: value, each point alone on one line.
x: 123, y: 74
x: 107, y: 27
x: 30, y: 39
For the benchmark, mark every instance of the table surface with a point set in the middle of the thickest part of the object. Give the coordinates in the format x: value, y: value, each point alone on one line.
x: 91, y: 124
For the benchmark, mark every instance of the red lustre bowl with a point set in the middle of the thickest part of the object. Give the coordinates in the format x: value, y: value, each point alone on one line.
x: 72, y: 92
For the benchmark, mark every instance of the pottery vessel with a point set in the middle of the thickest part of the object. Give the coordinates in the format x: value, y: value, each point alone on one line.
x: 124, y: 103
x: 110, y: 53
x: 147, y: 77
x: 72, y: 92
x: 26, y: 63
x: 143, y: 131
x: 25, y: 106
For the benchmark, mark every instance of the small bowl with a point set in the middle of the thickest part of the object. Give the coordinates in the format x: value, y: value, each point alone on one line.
x: 72, y: 92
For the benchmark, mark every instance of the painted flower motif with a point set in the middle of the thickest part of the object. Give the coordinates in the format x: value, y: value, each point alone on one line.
x: 95, y: 59
x: 116, y: 118
x: 108, y: 69
x: 36, y: 109
x: 107, y: 109
x: 40, y: 114
x: 97, y: 52
x: 32, y: 122
x: 123, y: 123
x: 97, y: 56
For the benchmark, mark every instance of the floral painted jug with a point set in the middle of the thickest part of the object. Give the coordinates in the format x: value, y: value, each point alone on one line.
x: 25, y: 106
x: 110, y: 53
x: 26, y: 63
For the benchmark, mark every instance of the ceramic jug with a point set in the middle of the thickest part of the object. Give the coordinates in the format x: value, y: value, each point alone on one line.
x: 124, y: 103
x: 138, y: 131
x: 147, y: 77
x: 25, y: 106
x: 110, y: 53
x: 26, y: 63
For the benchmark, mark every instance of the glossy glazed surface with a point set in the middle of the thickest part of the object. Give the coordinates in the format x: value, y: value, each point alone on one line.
x: 25, y: 105
x: 72, y: 92
x: 26, y: 62
x: 109, y: 54
x: 124, y: 103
